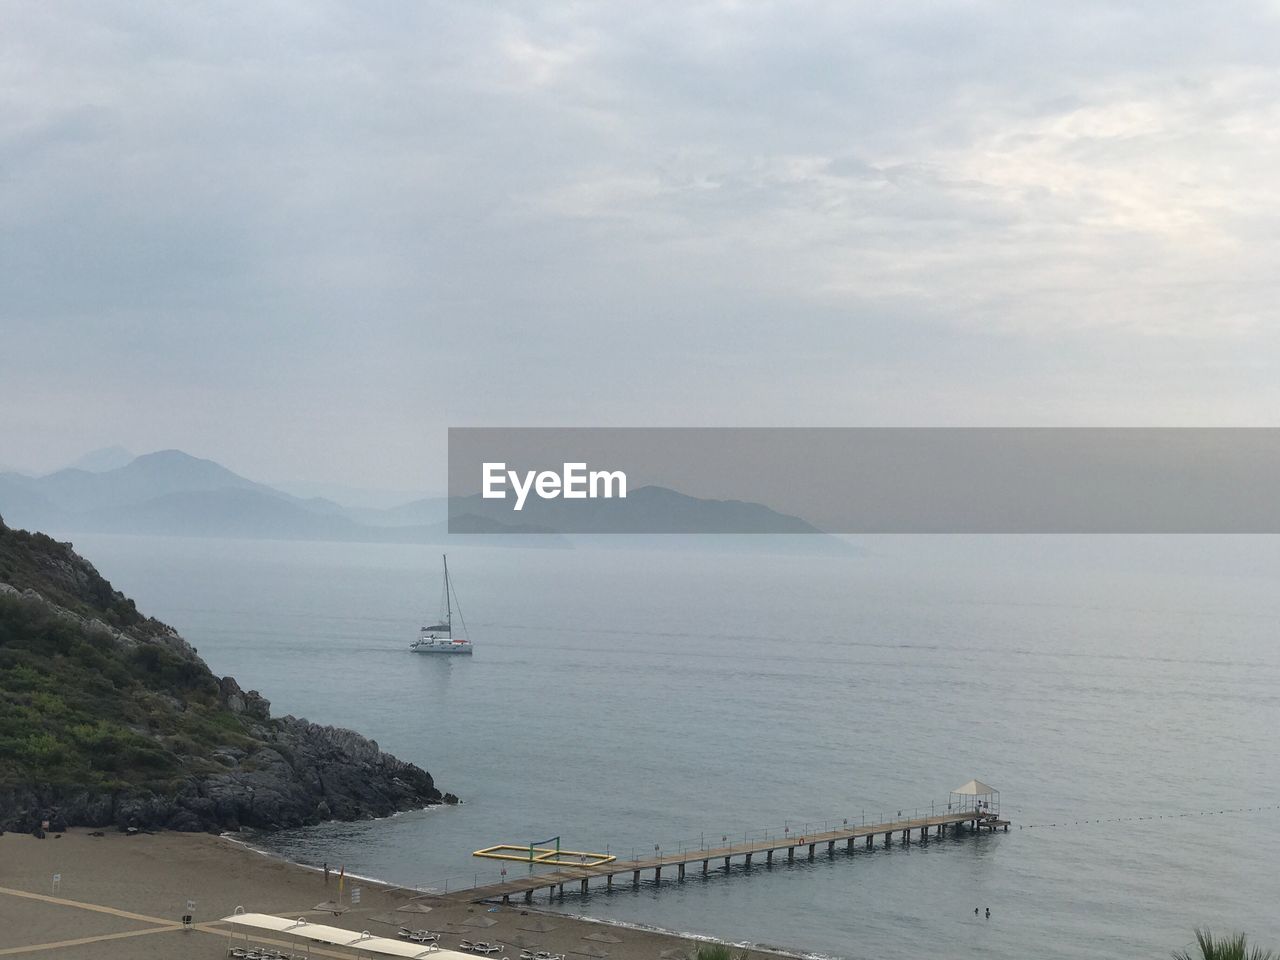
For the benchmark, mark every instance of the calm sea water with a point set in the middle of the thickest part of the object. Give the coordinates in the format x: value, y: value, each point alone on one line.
x: 624, y: 699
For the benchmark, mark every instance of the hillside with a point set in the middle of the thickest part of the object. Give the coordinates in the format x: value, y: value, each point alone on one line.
x: 110, y: 717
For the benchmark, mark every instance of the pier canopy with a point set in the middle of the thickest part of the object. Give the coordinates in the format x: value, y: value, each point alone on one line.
x: 303, y: 933
x: 977, y: 796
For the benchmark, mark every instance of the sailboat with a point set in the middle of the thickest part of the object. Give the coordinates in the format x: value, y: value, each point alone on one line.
x: 438, y: 637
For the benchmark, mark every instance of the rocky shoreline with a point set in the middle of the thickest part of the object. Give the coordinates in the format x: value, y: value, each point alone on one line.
x: 304, y: 774
x: 255, y: 771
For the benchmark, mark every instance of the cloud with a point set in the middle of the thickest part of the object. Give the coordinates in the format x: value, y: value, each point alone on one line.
x: 388, y: 218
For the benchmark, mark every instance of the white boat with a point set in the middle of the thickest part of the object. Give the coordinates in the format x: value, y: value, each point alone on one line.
x: 438, y: 637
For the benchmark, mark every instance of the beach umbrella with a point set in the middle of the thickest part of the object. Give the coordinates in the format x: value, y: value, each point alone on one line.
x: 589, y: 952
x: 602, y: 936
x: 524, y: 940
x: 331, y: 906
x: 414, y: 907
x: 390, y: 918
x: 480, y: 922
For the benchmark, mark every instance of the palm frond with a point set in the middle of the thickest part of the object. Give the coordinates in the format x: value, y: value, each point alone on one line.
x: 1234, y: 947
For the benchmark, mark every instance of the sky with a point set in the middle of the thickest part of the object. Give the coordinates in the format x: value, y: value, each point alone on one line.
x: 304, y: 238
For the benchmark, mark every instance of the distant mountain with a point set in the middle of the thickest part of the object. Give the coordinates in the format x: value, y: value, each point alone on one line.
x: 645, y: 510
x: 171, y: 493
x: 143, y: 478
x: 429, y: 510
x: 104, y: 459
x: 229, y: 512
x: 353, y: 498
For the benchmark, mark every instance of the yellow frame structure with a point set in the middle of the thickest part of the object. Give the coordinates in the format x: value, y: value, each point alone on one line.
x: 549, y: 856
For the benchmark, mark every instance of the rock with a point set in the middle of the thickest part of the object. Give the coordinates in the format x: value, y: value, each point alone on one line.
x: 269, y: 772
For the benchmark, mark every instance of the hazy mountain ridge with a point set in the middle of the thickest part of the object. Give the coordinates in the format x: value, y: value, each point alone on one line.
x: 104, y: 459
x: 645, y: 510
x: 171, y: 493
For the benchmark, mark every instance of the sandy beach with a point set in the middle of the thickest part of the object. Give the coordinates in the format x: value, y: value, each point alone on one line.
x: 122, y: 897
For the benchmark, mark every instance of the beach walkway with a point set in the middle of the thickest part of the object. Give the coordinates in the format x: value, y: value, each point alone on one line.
x: 677, y: 864
x: 122, y: 897
x: 155, y: 925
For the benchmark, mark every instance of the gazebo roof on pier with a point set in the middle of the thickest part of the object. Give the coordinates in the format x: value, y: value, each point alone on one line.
x: 976, y: 788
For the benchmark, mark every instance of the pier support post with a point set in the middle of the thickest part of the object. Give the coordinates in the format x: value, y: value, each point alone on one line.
x: 680, y: 872
x: 608, y: 882
x: 768, y: 858
x: 791, y: 854
x: 635, y: 878
x: 657, y: 874
x: 888, y: 839
x: 811, y: 846
x: 748, y: 862
x: 849, y: 846
x: 831, y: 848
x: 528, y: 896
x: 585, y: 881
x: 906, y: 835
x: 704, y: 867
x: 506, y: 898
x: 871, y: 841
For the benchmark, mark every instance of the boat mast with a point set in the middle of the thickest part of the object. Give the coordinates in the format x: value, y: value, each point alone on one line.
x: 448, y: 607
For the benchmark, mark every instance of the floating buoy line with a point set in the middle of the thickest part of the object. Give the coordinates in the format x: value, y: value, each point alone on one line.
x: 1150, y: 816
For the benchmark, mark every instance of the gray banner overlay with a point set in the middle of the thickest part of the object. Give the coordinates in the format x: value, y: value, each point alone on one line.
x: 865, y: 480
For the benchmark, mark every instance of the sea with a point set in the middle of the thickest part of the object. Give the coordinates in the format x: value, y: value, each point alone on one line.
x: 1122, y: 694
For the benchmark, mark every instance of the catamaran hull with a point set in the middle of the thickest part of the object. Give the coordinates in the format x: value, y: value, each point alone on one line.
x: 444, y: 649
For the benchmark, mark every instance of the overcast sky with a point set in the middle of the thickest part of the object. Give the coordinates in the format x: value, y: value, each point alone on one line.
x: 304, y: 238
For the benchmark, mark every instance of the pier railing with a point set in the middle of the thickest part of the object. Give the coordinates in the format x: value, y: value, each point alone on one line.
x: 905, y: 818
x: 798, y: 832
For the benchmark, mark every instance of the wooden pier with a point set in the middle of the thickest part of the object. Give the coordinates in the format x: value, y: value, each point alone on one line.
x: 749, y: 853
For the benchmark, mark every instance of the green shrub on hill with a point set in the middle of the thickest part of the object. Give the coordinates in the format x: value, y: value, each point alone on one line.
x: 83, y: 706
x: 109, y: 717
x: 76, y: 711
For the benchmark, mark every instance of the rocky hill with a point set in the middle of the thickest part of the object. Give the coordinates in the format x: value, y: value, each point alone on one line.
x: 108, y: 717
